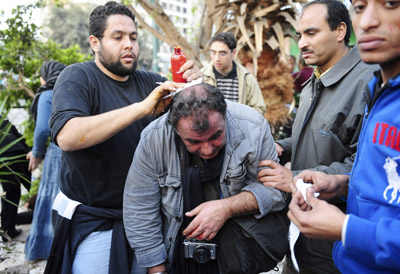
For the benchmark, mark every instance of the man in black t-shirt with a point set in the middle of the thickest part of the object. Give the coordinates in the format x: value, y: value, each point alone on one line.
x: 99, y: 111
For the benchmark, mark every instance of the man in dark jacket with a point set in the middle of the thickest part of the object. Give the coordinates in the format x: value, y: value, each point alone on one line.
x: 326, y: 128
x: 368, y: 235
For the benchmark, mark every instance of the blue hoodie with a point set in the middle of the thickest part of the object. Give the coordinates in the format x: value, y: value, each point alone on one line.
x: 372, y: 239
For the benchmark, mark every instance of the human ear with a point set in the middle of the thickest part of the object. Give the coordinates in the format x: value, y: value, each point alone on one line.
x: 341, y: 30
x: 94, y: 43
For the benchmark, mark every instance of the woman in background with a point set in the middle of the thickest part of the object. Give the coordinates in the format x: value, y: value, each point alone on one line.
x: 40, y: 237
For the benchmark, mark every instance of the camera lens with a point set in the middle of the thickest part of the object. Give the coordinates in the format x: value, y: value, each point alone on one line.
x: 201, y: 255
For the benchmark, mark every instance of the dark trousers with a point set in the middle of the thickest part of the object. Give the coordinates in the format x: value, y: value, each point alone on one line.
x: 12, y: 186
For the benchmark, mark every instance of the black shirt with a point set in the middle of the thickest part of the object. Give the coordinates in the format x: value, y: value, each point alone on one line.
x: 95, y: 176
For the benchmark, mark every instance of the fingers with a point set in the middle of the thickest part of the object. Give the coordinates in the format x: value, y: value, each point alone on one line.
x: 279, y: 149
x: 165, y: 88
x: 205, y: 225
x: 189, y: 230
x: 294, y: 208
x: 264, y: 174
x: 190, y: 71
x: 276, y: 176
x: 156, y: 101
x: 311, y: 199
x: 187, y: 65
x: 269, y: 163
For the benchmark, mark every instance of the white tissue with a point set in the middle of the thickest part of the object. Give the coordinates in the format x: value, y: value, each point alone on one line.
x: 302, y: 187
x: 192, y: 83
x: 294, y: 231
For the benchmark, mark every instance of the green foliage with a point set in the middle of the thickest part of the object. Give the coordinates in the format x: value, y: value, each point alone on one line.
x: 32, y: 191
x: 59, y: 22
x: 7, y: 161
x: 21, y: 56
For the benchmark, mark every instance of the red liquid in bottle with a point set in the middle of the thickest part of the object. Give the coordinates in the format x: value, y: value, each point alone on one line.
x: 177, y: 60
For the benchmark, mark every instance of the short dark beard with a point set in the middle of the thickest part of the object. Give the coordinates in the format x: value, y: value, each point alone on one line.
x: 116, y: 67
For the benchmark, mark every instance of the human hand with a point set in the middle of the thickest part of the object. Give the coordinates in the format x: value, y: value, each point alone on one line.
x: 190, y: 71
x: 319, y: 220
x: 276, y: 176
x: 279, y: 149
x: 156, y: 269
x: 33, y: 161
x: 154, y: 104
x: 210, y: 217
x: 328, y: 185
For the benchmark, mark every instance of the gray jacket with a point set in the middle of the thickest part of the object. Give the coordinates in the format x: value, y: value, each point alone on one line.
x: 327, y: 141
x: 153, y: 209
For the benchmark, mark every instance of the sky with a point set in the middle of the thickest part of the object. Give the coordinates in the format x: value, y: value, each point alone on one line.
x: 8, y: 5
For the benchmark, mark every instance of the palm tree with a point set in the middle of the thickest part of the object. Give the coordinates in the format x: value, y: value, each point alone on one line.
x: 262, y: 29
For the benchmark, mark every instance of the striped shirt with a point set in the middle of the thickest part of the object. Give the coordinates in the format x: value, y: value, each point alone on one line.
x: 228, y: 84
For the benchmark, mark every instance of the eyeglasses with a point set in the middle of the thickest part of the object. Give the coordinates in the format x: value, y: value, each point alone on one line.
x: 220, y: 53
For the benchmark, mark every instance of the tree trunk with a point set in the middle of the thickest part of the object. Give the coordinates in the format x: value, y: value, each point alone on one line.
x: 170, y: 35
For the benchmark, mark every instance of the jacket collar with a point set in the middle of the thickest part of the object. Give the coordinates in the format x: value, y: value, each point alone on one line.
x: 340, y: 69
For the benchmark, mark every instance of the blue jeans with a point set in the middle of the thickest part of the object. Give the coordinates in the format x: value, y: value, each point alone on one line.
x: 93, y: 255
x: 38, y: 243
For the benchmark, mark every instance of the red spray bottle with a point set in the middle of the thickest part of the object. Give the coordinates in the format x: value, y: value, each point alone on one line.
x: 177, y: 60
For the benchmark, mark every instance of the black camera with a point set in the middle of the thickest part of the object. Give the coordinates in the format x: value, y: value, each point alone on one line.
x: 200, y: 251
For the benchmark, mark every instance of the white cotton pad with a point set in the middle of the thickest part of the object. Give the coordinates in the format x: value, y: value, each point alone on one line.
x: 302, y: 187
x: 194, y: 82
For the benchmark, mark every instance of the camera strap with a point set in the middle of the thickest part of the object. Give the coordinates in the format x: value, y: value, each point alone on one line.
x: 193, y: 176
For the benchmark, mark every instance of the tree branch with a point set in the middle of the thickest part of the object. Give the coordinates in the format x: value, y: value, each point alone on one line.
x: 147, y: 27
x: 173, y: 37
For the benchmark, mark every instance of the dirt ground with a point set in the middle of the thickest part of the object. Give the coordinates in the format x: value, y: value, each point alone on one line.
x: 12, y: 257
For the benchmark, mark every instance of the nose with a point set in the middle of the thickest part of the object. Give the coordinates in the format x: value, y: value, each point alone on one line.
x: 128, y: 43
x: 207, y: 148
x: 368, y: 18
x: 302, y: 43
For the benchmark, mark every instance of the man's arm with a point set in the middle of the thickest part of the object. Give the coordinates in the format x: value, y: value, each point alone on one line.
x: 274, y: 175
x: 84, y: 132
x: 212, y: 215
x: 254, y: 198
x: 142, y: 209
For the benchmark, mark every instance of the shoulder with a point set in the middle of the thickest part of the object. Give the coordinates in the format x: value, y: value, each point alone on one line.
x: 208, y: 69
x: 147, y: 77
x: 244, y: 114
x: 157, y: 127
x: 78, y: 71
x: 350, y: 70
x: 85, y: 66
x: 241, y: 70
x: 353, y: 59
x: 146, y: 74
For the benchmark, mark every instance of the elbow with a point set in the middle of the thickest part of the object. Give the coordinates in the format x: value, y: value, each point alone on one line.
x: 64, y: 143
